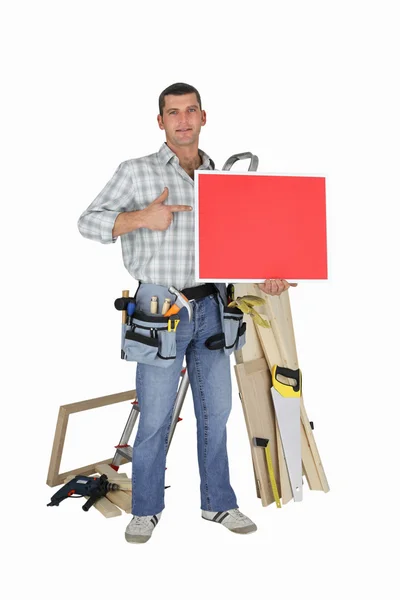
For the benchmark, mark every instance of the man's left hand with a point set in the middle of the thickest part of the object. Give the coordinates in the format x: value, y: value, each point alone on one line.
x: 275, y: 287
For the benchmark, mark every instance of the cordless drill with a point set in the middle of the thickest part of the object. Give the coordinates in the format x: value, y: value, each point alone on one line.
x: 94, y: 487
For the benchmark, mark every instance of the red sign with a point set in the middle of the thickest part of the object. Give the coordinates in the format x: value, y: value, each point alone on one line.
x: 251, y: 226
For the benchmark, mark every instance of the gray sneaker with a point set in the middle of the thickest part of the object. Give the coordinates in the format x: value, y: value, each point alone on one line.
x: 232, y: 519
x: 140, y: 529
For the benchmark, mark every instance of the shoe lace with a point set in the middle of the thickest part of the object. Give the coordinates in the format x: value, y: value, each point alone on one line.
x: 237, y: 513
x: 138, y: 520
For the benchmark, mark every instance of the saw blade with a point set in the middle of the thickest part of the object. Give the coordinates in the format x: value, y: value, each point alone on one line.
x: 287, y: 410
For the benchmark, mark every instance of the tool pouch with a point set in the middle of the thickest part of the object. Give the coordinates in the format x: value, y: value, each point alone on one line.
x: 233, y: 335
x: 148, y: 341
x: 234, y: 329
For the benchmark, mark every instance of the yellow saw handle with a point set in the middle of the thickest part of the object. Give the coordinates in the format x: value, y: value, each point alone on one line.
x: 286, y: 390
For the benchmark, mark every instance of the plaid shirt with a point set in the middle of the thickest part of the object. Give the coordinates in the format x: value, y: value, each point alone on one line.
x: 159, y: 257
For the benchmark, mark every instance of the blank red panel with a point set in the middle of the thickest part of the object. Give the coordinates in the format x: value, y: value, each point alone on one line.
x: 261, y: 226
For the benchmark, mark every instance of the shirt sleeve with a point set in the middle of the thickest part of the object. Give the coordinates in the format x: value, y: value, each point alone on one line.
x: 97, y: 221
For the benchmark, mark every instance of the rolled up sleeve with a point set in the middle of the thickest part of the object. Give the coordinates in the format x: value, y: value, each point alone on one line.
x: 97, y: 221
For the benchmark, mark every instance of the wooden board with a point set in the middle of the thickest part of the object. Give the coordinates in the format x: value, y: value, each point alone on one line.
x: 124, y: 484
x: 254, y: 382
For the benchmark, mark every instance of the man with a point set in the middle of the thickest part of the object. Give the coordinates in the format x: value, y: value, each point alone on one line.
x: 149, y: 203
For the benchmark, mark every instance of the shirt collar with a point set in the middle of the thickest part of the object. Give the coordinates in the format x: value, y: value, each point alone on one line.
x: 165, y: 155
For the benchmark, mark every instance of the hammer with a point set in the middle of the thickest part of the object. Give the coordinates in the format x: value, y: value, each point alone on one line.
x: 181, y: 302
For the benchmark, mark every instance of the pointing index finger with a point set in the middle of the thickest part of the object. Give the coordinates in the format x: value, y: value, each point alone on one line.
x: 179, y: 207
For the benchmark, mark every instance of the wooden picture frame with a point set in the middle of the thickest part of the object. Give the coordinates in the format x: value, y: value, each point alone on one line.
x: 54, y: 477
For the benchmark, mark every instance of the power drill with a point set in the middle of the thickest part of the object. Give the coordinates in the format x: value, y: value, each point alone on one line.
x: 94, y: 487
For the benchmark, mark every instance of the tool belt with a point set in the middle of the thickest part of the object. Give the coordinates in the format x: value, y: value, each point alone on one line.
x: 200, y: 291
x: 151, y: 338
x: 147, y: 337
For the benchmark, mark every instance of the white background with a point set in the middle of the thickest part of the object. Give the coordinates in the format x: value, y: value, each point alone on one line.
x: 310, y: 87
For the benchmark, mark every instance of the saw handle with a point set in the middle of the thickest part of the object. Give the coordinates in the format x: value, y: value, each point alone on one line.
x: 290, y: 374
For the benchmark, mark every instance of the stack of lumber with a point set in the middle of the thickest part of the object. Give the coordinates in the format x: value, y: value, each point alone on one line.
x: 265, y: 348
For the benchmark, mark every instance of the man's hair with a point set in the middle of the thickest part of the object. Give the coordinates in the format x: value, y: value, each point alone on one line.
x: 177, y: 89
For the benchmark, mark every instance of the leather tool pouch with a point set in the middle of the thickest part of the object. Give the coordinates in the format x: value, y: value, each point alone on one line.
x: 233, y: 335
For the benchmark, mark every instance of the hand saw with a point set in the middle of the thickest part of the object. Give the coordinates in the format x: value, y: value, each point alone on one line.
x: 286, y: 399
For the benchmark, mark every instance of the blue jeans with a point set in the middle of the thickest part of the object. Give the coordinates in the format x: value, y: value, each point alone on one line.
x: 210, y: 382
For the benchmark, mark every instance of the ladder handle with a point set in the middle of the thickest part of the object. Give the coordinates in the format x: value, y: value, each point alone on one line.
x: 241, y: 156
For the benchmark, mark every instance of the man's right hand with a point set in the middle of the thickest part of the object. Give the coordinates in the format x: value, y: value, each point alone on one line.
x: 157, y: 216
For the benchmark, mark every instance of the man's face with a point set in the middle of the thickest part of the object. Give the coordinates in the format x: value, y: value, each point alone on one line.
x: 182, y: 119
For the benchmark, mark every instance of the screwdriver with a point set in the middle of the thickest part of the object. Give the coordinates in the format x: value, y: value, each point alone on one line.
x: 130, y: 309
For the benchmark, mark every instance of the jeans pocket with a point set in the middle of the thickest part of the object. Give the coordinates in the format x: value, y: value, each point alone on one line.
x: 148, y: 340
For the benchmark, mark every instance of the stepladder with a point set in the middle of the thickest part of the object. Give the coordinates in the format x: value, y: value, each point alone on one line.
x: 124, y: 450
